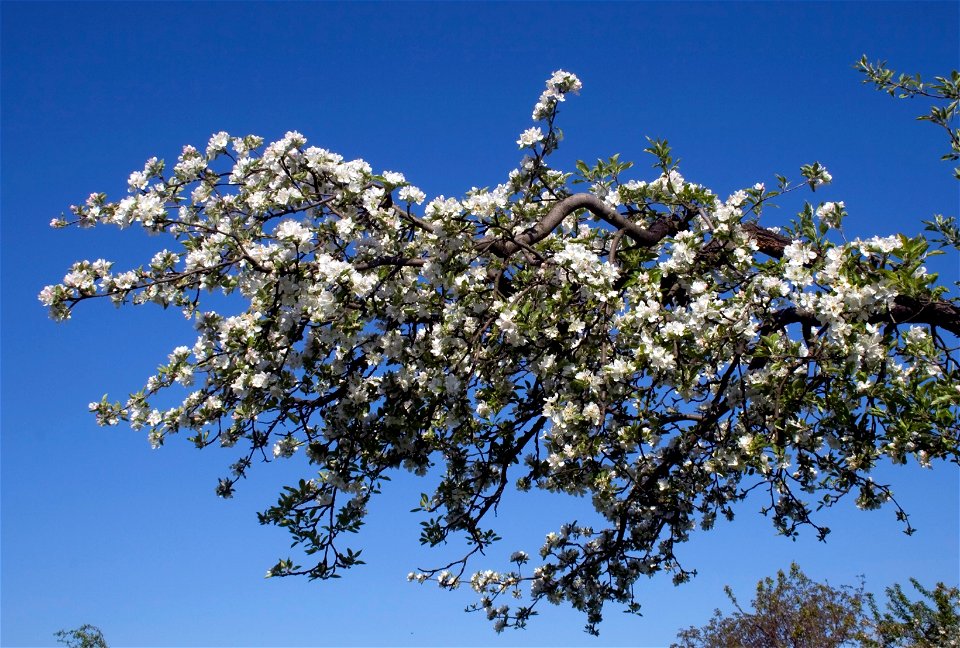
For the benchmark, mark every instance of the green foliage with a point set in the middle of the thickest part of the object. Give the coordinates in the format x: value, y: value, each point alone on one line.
x: 791, y: 611
x: 946, y: 228
x: 603, y: 175
x: 946, y: 93
x: 795, y: 612
x: 86, y: 636
x: 916, y: 623
x: 660, y: 149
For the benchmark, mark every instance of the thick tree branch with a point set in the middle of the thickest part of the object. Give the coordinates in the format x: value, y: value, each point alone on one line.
x: 659, y: 230
x: 769, y: 242
x: 903, y: 310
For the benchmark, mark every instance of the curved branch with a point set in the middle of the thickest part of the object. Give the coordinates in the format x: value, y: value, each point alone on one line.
x: 659, y: 230
x: 769, y: 242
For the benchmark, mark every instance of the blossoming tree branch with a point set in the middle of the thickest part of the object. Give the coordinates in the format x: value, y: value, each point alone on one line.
x: 644, y: 343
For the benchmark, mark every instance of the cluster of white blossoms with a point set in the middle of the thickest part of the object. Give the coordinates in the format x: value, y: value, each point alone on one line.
x: 648, y: 345
x: 530, y: 137
x: 832, y: 213
x: 558, y: 86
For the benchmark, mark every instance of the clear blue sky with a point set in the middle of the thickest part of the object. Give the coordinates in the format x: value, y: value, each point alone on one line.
x: 97, y: 528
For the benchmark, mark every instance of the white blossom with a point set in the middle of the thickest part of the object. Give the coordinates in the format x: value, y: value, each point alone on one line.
x: 530, y: 137
x: 412, y: 194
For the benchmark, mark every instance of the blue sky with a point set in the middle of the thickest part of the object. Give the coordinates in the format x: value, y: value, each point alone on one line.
x: 97, y: 528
